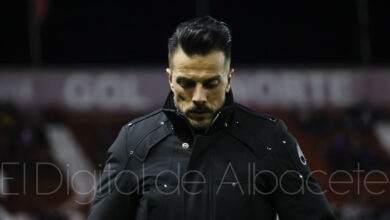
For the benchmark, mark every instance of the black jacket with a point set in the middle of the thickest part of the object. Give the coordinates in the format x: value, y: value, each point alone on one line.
x: 245, y: 166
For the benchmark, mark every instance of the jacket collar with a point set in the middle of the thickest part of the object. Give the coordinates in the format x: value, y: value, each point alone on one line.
x: 179, y: 122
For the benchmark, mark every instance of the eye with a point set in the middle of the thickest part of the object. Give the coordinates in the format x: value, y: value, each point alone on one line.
x: 210, y: 84
x: 186, y: 84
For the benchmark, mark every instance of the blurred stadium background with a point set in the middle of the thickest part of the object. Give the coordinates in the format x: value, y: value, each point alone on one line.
x: 73, y: 72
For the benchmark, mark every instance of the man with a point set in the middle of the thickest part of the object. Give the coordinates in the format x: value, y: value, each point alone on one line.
x: 202, y: 156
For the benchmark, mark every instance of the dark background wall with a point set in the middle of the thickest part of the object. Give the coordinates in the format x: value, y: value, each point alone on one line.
x: 135, y: 32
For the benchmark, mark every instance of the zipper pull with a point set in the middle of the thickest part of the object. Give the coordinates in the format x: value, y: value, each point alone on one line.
x: 212, y: 122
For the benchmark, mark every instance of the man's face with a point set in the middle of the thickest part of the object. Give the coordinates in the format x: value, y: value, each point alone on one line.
x: 199, y: 84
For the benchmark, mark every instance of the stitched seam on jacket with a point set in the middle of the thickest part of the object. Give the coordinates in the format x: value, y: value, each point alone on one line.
x: 143, y: 138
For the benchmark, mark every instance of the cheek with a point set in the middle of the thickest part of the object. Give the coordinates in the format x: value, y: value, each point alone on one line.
x: 180, y: 97
x: 181, y: 94
x: 217, y: 97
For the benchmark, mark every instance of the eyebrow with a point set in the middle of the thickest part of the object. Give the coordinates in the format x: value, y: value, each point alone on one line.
x: 212, y: 78
x: 181, y: 78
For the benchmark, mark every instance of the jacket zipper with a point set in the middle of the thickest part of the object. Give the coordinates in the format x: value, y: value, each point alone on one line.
x: 211, y: 195
x: 210, y: 184
x: 211, y: 189
x: 212, y: 122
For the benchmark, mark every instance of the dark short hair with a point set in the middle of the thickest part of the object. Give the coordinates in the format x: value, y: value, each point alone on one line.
x: 200, y: 36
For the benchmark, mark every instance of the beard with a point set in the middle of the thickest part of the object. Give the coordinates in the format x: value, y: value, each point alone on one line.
x: 199, y: 115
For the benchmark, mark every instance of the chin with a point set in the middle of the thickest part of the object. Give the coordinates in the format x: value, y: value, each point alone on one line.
x: 200, y: 124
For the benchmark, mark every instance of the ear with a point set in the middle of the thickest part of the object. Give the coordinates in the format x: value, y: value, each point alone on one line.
x: 169, y: 73
x: 230, y: 76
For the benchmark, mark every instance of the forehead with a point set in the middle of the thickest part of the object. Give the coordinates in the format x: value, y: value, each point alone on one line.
x: 195, y: 66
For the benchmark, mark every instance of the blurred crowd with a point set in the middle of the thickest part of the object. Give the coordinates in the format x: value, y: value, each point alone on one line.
x: 348, y: 137
x: 23, y: 144
x: 347, y: 142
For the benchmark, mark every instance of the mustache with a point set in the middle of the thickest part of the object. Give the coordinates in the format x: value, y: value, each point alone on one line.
x: 200, y: 109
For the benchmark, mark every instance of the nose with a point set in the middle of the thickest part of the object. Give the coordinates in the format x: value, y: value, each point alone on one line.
x: 199, y: 95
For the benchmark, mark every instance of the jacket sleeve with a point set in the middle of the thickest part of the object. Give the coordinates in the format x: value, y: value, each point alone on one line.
x: 298, y: 194
x: 115, y: 197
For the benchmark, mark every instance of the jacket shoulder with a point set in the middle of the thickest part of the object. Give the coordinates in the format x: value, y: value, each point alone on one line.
x: 256, y: 119
x: 274, y: 134
x: 132, y: 132
x: 151, y: 117
x: 139, y: 128
x: 144, y: 132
